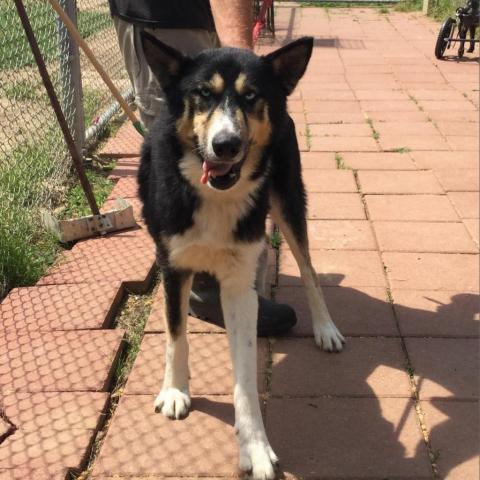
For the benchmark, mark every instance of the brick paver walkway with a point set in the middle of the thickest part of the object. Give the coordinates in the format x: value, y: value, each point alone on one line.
x: 389, y: 140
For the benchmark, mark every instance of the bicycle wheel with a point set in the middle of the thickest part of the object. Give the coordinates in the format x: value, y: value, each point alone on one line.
x: 445, y: 32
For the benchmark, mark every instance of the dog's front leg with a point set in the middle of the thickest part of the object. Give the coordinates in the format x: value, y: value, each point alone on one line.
x: 174, y: 397
x: 240, y: 310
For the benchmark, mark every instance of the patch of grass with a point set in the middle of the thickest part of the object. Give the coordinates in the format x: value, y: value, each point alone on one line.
x: 32, y: 177
x: 389, y: 295
x: 401, y: 150
x: 76, y: 204
x: 383, y: 10
x: 91, y: 102
x: 14, y: 49
x: 276, y: 239
x: 340, y: 4
x: 22, y: 90
x: 440, y: 9
x: 26, y: 181
x: 27, y: 250
x: 308, y: 136
x: 435, y: 456
x: 375, y: 134
x: 409, y: 6
x: 410, y: 371
x: 340, y: 162
x: 132, y: 319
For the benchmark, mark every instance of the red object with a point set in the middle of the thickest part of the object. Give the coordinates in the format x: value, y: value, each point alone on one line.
x: 260, y: 21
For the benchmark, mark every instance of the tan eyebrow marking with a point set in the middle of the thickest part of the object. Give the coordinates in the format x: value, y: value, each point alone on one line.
x: 241, y: 83
x: 217, y: 83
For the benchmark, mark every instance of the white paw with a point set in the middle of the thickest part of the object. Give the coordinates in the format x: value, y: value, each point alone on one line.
x: 173, y: 403
x: 259, y: 460
x: 328, y: 337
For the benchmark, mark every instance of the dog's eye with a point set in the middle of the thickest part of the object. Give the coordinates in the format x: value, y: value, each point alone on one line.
x: 205, y: 92
x: 250, y: 96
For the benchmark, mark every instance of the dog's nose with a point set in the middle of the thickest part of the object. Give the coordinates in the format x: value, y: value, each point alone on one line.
x: 226, y: 144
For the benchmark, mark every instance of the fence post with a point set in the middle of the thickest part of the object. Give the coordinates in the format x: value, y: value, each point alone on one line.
x: 425, y: 7
x: 70, y: 77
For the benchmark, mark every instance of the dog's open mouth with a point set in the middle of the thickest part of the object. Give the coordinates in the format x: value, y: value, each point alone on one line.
x: 220, y: 175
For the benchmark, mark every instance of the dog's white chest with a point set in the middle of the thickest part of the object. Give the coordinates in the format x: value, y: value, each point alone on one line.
x: 209, y: 245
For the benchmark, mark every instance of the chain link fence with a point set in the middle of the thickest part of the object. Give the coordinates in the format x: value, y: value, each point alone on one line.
x: 35, y: 170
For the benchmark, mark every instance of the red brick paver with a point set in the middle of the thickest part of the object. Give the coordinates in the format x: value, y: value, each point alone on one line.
x: 141, y: 442
x: 60, y: 307
x: 336, y: 267
x: 456, y: 378
x: 453, y: 428
x: 58, y: 361
x: 424, y: 237
x: 359, y: 311
x: 126, y: 256
x: 432, y: 271
x: 434, y: 208
x: 334, y: 206
x: 126, y: 143
x: 349, y: 430
x: 388, y: 182
x: 382, y: 371
x: 437, y: 313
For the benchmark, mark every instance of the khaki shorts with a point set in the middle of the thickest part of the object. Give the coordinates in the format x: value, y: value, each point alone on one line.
x: 148, y: 93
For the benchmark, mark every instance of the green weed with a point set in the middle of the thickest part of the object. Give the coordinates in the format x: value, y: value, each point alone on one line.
x: 276, y: 239
x: 340, y: 162
x: 91, y: 104
x: 308, y: 136
x: 75, y: 204
x: 401, y: 150
x: 375, y: 133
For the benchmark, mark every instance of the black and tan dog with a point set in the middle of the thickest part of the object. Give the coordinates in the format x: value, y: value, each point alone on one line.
x: 220, y: 158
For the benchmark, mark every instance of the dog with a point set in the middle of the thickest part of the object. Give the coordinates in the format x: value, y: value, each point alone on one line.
x: 220, y: 158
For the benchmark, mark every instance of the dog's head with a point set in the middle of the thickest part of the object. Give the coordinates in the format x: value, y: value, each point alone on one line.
x: 227, y: 103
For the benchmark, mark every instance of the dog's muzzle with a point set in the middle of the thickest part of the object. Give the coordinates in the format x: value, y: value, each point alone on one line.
x: 221, y: 175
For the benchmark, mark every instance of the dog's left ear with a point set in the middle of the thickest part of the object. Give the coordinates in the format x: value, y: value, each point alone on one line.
x: 164, y: 60
x: 290, y: 62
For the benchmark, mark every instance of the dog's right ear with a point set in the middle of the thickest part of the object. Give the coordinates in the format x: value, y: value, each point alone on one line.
x: 290, y: 62
x: 164, y: 61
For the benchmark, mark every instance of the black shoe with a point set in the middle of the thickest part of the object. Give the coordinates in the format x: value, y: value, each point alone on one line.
x: 274, y: 319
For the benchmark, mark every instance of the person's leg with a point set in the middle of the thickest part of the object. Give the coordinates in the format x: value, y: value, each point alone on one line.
x: 149, y: 97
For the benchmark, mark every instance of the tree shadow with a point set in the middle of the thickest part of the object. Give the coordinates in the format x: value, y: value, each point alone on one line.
x: 338, y: 415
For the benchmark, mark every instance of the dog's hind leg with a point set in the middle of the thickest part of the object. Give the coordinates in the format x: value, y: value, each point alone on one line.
x: 174, y: 397
x: 326, y: 333
x: 240, y: 311
x: 288, y: 210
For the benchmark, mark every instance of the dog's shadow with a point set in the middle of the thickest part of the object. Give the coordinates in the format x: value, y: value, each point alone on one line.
x: 323, y: 425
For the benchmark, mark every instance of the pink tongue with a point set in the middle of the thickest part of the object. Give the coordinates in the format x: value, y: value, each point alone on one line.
x: 211, y: 169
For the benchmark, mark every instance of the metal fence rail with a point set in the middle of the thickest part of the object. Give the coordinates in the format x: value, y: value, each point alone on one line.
x: 34, y: 166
